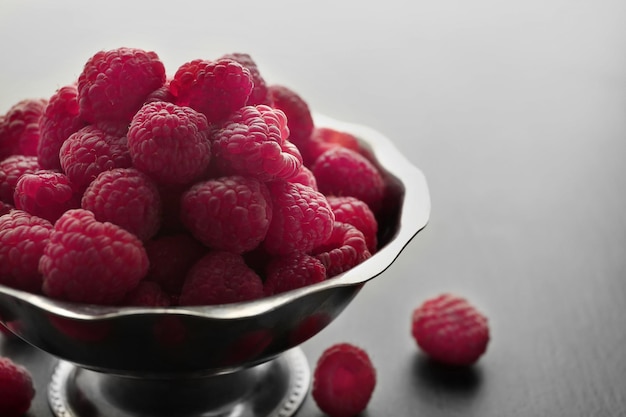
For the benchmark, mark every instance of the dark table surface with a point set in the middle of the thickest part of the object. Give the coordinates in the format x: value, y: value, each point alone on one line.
x: 516, y: 113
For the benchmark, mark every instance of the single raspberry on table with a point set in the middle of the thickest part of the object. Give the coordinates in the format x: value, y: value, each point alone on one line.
x: 23, y: 238
x: 345, y: 249
x: 46, y: 194
x: 253, y: 142
x: 228, y: 213
x: 90, y: 151
x: 299, y: 118
x: 341, y: 171
x: 259, y: 94
x: 170, y: 143
x: 450, y: 330
x: 323, y: 139
x: 355, y: 212
x: 147, y: 294
x: 59, y: 120
x: 11, y: 169
x: 114, y: 84
x: 343, y: 381
x: 214, y: 88
x: 19, y: 128
x: 285, y: 273
x: 87, y: 261
x: 126, y: 197
x: 302, y: 219
x: 220, y: 278
x: 16, y: 387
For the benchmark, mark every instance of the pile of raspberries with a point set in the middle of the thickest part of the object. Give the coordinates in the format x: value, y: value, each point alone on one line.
x: 209, y: 186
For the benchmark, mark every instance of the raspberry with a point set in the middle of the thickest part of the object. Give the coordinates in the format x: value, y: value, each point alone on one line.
x: 220, y: 278
x: 344, y: 249
x: 258, y: 95
x: 343, y: 381
x: 126, y: 197
x: 302, y: 219
x: 305, y: 176
x: 214, y: 88
x: 253, y: 142
x: 11, y: 169
x: 16, y: 387
x: 91, y: 262
x: 19, y: 128
x: 59, y: 120
x: 170, y: 143
x: 161, y: 94
x: 293, y: 271
x: 323, y: 139
x: 355, y: 212
x: 114, y: 84
x: 23, y: 238
x: 299, y: 117
x: 5, y: 208
x: 341, y: 171
x: 228, y: 213
x: 90, y: 151
x: 450, y: 330
x: 46, y: 194
x: 147, y: 294
x: 171, y: 257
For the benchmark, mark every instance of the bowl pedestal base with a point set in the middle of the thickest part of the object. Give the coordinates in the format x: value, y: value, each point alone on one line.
x: 273, y: 389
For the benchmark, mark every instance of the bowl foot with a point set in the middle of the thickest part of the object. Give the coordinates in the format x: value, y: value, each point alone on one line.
x: 276, y: 388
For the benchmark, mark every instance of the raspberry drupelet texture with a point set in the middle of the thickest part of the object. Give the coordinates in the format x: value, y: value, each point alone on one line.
x: 341, y: 171
x: 147, y: 294
x: 253, y: 142
x: 450, y: 330
x: 323, y: 139
x: 19, y: 128
x: 300, y: 121
x: 59, y: 120
x: 228, y: 213
x: 220, y: 278
x: 23, y: 238
x: 214, y: 88
x: 343, y: 381
x: 16, y: 387
x: 126, y: 197
x: 353, y: 211
x: 259, y: 94
x: 285, y: 273
x: 90, y: 151
x: 5, y: 207
x: 170, y: 143
x: 114, y: 84
x: 11, y: 169
x: 304, y: 176
x: 88, y: 261
x: 46, y: 194
x: 345, y: 249
x: 302, y: 219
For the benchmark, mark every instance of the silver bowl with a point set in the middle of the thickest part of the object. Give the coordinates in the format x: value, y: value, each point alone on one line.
x: 211, y: 358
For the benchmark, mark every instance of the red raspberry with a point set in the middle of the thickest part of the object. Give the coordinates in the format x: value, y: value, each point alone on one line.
x: 259, y: 90
x: 323, y: 139
x: 220, y: 278
x: 19, y: 128
x: 23, y: 238
x: 46, y: 194
x: 214, y: 88
x: 170, y: 143
x: 90, y: 151
x: 305, y: 176
x: 91, y: 262
x: 343, y: 381
x: 253, y: 142
x: 59, y: 120
x: 16, y: 387
x: 355, y: 212
x: 302, y: 219
x: 299, y: 119
x: 11, y: 169
x: 114, y: 84
x: 344, y: 249
x: 126, y: 197
x: 341, y: 171
x: 161, y: 94
x: 171, y: 257
x: 450, y: 330
x: 147, y: 294
x: 293, y: 271
x: 228, y: 213
x: 5, y: 208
